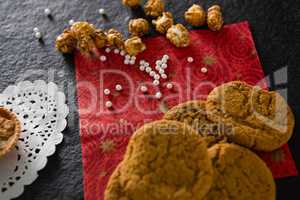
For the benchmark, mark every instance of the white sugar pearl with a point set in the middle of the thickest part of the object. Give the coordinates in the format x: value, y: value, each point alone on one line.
x: 147, y: 64
x: 127, y: 57
x: 122, y: 53
x: 116, y: 51
x: 106, y: 91
x: 161, y: 71
x: 119, y: 87
x: 47, y: 11
x: 190, y: 59
x: 107, y: 50
x: 133, y: 57
x: 142, y: 68
x: 164, y: 76
x: 126, y: 62
x: 204, y: 70
x: 158, y: 62
x: 144, y: 88
x: 148, y: 69
x: 157, y: 67
x: 169, y: 85
x: 156, y: 82
x: 71, y: 22
x: 158, y: 95
x: 152, y: 73
x: 36, y: 29
x: 101, y: 11
x: 38, y: 35
x: 166, y: 57
x: 103, y: 58
x: 156, y: 77
x: 132, y: 62
x: 108, y: 104
x: 164, y: 66
x: 142, y: 62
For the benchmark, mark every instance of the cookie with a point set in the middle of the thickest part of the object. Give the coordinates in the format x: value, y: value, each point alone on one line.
x: 260, y: 119
x: 10, y: 129
x: 164, y: 160
x: 193, y: 113
x: 239, y: 175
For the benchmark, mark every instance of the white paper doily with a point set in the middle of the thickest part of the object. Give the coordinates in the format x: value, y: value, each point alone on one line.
x: 42, y: 110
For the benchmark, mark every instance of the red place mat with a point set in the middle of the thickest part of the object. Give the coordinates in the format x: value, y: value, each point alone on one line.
x: 228, y: 55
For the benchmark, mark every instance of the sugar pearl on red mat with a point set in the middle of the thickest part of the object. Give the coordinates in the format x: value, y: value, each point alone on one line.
x: 107, y: 50
x: 103, y: 58
x: 156, y: 82
x: 158, y: 95
x: 119, y: 87
x: 116, y: 51
x: 204, y: 70
x: 108, y: 104
x: 156, y: 76
x: 106, y: 91
x: 169, y: 85
x: 190, y: 59
x: 144, y: 88
x: 164, y: 76
x: 142, y: 68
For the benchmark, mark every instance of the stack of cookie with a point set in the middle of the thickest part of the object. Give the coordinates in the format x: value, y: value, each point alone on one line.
x: 202, y: 150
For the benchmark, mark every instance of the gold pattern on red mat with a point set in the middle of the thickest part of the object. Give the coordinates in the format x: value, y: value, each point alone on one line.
x: 107, y: 146
x: 103, y: 174
x: 209, y: 60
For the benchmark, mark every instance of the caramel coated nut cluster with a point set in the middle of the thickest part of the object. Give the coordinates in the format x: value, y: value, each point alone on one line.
x: 214, y: 18
x: 154, y: 8
x: 115, y: 38
x: 134, y: 46
x: 178, y: 35
x: 164, y: 22
x: 195, y: 15
x: 131, y: 3
x: 138, y: 27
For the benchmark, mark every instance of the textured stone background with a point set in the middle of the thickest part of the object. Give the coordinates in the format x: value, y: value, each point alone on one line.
x: 276, y: 30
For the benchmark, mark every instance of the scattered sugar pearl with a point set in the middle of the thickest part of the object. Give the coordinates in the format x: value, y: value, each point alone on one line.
x: 169, y: 85
x: 164, y: 76
x: 156, y: 77
x: 204, y: 70
x: 71, y: 22
x: 156, y: 82
x: 38, y: 35
x: 107, y: 50
x: 142, y: 62
x: 47, y: 11
x: 152, y: 73
x: 101, y: 11
x: 158, y: 95
x: 161, y: 71
x: 157, y: 67
x: 166, y: 57
x: 158, y: 62
x: 142, y: 68
x: 119, y: 87
x: 190, y: 59
x: 36, y: 29
x: 103, y: 58
x: 127, y: 57
x: 106, y: 91
x: 144, y: 88
x: 108, y: 104
x: 164, y: 66
x: 122, y: 53
x: 126, y: 62
x: 147, y: 64
x: 116, y: 51
x: 133, y: 57
x: 148, y: 69
x: 132, y: 62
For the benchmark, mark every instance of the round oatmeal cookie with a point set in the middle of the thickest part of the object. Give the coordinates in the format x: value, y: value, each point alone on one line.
x: 260, y: 119
x: 239, y: 175
x: 164, y: 160
x: 193, y: 113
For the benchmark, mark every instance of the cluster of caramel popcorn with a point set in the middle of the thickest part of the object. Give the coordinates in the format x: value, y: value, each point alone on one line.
x: 134, y: 46
x: 178, y: 35
x: 131, y: 3
x: 154, y: 8
x: 115, y: 38
x: 138, y: 27
x: 164, y: 22
x: 197, y: 16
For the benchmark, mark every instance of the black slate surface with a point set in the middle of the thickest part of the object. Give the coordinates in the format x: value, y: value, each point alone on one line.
x: 276, y: 31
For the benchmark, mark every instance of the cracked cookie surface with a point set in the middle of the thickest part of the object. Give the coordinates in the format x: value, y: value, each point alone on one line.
x: 239, y: 175
x: 164, y: 160
x: 260, y: 119
x: 193, y: 113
